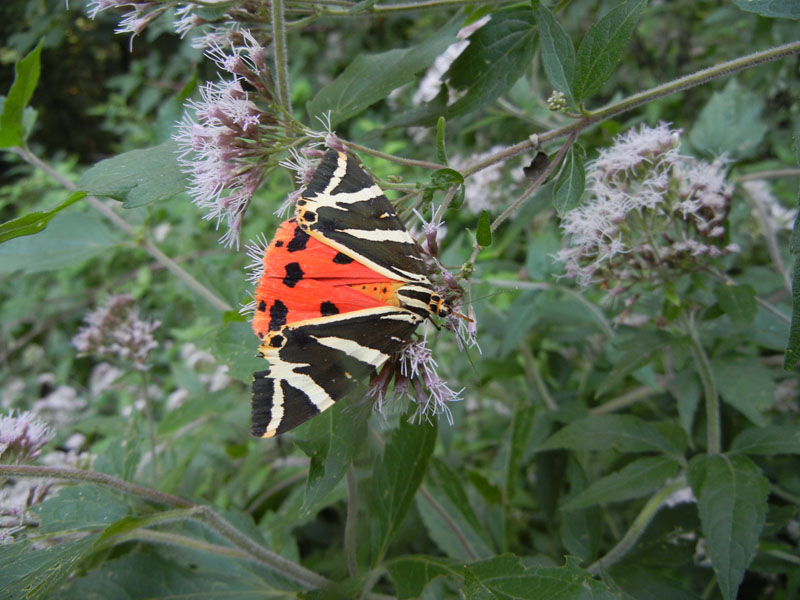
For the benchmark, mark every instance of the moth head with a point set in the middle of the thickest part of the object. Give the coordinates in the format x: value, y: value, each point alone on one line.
x: 439, y: 305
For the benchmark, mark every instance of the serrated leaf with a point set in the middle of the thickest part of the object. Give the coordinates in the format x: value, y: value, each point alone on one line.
x: 26, y: 76
x: 462, y: 536
x: 411, y: 574
x: 331, y: 441
x: 70, y: 239
x: 143, y: 576
x: 80, y: 507
x: 395, y: 479
x: 497, y: 56
x: 137, y: 177
x: 730, y: 123
x: 570, y: 184
x: 787, y: 9
x: 635, y: 480
x: 483, y: 234
x: 746, y: 385
x: 27, y: 573
x: 34, y: 222
x: 738, y: 302
x: 558, y: 52
x: 371, y: 77
x: 768, y: 441
x: 603, y: 46
x: 505, y: 577
x: 731, y: 497
x: 624, y: 433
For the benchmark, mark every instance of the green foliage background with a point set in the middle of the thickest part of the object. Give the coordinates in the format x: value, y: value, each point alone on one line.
x: 577, y: 426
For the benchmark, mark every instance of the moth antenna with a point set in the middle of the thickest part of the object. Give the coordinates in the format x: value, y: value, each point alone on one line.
x: 460, y: 316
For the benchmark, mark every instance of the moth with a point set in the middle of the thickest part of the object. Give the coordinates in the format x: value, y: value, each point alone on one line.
x: 342, y: 291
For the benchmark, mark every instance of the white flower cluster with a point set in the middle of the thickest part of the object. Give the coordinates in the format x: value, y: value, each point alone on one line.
x: 115, y: 330
x: 221, y: 139
x: 652, y: 212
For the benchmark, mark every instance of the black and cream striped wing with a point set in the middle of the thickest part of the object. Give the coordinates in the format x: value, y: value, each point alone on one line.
x: 343, y: 207
x: 318, y: 362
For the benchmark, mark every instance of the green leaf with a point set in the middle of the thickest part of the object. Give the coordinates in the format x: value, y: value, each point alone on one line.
x: 27, y: 573
x: 36, y: 221
x: 738, y: 302
x: 144, y: 576
x: 484, y: 232
x: 461, y: 535
x: 441, y: 151
x: 497, y: 56
x: 603, y: 46
x: 26, y: 76
x: 370, y: 77
x: 624, y: 433
x: 570, y: 184
x: 730, y: 123
x: 80, y: 507
x: 792, y: 354
x: 768, y: 441
x: 331, y: 441
x: 70, y: 239
x: 411, y: 574
x: 395, y: 479
x: 138, y: 177
x: 787, y: 9
x: 504, y: 577
x: 236, y: 345
x: 731, y: 497
x: 443, y: 179
x: 635, y: 480
x: 558, y: 53
x: 746, y: 385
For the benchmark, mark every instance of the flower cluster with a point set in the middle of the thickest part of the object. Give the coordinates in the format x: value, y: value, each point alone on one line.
x: 115, y: 330
x: 224, y: 145
x: 22, y: 436
x: 134, y: 21
x: 415, y: 376
x: 653, y: 214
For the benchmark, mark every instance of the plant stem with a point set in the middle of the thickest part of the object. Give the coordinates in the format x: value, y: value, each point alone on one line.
x: 119, y: 222
x: 151, y: 431
x: 636, y: 100
x: 281, y: 55
x: 535, y: 377
x: 637, y: 528
x: 703, y: 366
x: 203, y: 514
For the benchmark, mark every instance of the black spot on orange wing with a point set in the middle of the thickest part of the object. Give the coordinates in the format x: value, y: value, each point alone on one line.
x: 277, y: 315
x: 327, y: 309
x: 299, y: 241
x: 293, y: 274
x: 279, y: 244
x: 262, y: 306
x: 342, y: 259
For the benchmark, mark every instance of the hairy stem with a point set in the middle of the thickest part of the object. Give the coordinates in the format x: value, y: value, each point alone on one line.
x: 122, y: 224
x: 637, y: 528
x: 462, y: 539
x: 203, y: 514
x: 281, y: 55
x: 636, y: 100
x: 703, y: 366
x: 151, y: 430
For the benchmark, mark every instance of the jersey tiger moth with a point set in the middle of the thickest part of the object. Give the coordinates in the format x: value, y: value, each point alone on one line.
x: 342, y: 291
